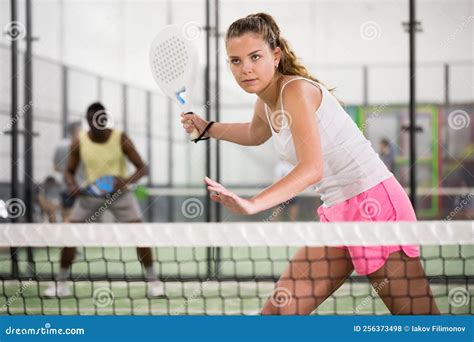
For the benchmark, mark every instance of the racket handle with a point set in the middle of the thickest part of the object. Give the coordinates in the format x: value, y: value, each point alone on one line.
x: 194, y: 134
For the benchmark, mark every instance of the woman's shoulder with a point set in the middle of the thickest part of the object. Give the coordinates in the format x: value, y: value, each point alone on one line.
x: 296, y: 79
x: 297, y: 85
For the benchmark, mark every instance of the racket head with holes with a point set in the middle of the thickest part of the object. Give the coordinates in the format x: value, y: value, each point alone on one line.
x: 173, y: 61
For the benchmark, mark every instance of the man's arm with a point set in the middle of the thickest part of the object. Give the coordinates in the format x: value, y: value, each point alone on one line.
x: 141, y: 169
x: 72, y: 164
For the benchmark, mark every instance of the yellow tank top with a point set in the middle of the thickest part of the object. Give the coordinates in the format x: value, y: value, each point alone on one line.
x: 102, y: 159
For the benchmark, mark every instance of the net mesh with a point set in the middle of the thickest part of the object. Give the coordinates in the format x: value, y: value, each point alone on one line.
x: 221, y: 269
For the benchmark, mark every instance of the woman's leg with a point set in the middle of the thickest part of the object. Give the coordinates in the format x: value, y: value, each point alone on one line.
x: 403, y: 286
x: 312, y: 275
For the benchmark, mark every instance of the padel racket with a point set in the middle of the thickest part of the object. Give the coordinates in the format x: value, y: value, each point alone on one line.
x: 102, y: 187
x: 174, y: 60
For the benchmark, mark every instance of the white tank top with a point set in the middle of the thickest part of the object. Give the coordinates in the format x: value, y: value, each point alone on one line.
x: 351, y: 166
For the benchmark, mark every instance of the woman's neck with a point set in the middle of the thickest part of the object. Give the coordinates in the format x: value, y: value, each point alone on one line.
x: 271, y: 92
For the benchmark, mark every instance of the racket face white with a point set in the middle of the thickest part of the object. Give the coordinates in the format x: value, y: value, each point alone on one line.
x: 173, y: 61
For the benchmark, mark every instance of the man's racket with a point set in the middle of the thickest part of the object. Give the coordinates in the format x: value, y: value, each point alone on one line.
x: 102, y: 187
x: 174, y: 60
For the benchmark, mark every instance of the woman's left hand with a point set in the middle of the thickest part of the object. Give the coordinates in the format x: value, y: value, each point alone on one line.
x: 230, y: 200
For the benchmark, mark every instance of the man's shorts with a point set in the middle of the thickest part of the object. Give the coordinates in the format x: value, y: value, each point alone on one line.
x: 123, y: 206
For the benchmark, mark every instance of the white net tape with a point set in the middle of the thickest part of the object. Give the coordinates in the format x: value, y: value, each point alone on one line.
x: 242, y: 234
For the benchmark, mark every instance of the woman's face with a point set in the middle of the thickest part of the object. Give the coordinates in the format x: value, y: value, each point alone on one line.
x: 252, y: 61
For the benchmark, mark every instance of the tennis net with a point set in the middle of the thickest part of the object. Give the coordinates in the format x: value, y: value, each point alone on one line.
x: 221, y: 268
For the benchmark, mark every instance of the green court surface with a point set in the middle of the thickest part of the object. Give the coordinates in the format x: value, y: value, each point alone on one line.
x: 192, y: 298
x: 450, y: 269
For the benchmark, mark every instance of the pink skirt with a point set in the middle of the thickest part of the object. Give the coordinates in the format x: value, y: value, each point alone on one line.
x: 387, y: 201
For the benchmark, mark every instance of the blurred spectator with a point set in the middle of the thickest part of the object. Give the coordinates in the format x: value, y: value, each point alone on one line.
x: 49, y: 198
x: 387, y: 154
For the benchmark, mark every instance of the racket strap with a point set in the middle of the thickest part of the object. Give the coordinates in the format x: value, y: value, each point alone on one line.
x: 200, y: 137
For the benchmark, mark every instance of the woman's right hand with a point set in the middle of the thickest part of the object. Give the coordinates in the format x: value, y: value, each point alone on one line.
x: 193, y: 121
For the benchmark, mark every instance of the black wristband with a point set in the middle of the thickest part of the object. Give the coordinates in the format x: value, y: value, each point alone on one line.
x: 200, y: 137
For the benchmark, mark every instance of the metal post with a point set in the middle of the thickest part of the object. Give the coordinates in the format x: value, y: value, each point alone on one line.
x: 28, y: 89
x: 149, y: 145
x: 412, y: 127
x: 446, y: 85
x: 217, y: 118
x: 65, y: 100
x: 217, y: 103
x: 447, y: 103
x: 14, y: 131
x: 207, y: 97
x: 149, y: 154
x: 169, y: 110
x: 124, y: 107
x: 28, y: 134
x: 365, y: 86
